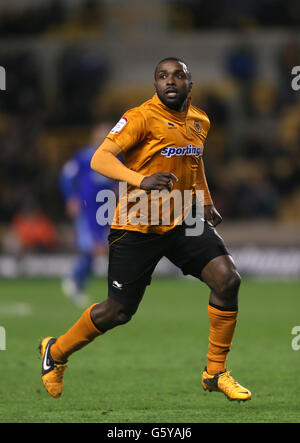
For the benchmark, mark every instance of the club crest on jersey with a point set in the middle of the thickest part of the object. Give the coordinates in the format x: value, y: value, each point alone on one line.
x: 119, y: 126
x: 169, y: 151
x: 171, y: 125
x: 197, y: 126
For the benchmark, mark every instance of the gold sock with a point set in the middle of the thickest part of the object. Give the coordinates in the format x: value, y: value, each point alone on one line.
x: 79, y: 335
x: 222, y: 327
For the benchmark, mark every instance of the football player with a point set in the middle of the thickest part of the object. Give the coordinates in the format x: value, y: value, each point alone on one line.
x: 161, y: 142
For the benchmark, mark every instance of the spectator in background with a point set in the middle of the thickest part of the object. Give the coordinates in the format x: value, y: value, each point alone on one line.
x: 82, y: 73
x: 79, y: 185
x: 23, y: 96
x: 29, y: 19
x: 241, y: 64
x: 32, y: 228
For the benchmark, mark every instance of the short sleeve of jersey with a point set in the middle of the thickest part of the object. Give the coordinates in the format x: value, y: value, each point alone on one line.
x: 130, y: 130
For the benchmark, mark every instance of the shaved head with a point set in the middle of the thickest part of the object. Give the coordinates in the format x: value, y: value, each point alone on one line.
x: 178, y: 60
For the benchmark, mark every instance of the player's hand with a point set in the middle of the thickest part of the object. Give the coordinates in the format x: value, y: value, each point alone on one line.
x: 159, y: 181
x: 211, y: 215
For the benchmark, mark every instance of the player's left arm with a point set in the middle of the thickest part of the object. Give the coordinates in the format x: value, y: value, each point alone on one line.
x: 211, y: 215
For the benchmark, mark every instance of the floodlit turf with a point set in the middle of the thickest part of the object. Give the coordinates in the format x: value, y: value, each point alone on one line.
x: 148, y: 371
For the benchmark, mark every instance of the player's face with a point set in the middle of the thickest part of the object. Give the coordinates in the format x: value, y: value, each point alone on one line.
x: 173, y: 84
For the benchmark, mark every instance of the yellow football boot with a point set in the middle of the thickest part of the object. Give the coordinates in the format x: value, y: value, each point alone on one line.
x: 52, y: 371
x: 224, y: 382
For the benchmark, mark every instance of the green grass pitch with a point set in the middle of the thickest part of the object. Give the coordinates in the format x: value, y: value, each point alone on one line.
x: 148, y: 371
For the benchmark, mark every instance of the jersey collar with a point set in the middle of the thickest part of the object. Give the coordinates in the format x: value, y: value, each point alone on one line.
x: 180, y: 116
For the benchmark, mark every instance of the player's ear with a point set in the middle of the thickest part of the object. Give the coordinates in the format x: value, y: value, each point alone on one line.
x: 191, y: 86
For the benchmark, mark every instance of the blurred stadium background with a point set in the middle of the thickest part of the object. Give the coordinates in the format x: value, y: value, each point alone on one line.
x: 71, y: 64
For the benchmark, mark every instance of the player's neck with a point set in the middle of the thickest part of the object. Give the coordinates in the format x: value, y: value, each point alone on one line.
x: 181, y: 108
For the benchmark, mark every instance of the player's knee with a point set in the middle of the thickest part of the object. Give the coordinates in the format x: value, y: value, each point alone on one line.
x: 109, y: 314
x: 122, y: 318
x: 229, y: 284
x: 119, y: 316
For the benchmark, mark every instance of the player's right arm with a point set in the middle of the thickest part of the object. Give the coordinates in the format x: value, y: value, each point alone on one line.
x: 105, y: 162
x: 128, y: 132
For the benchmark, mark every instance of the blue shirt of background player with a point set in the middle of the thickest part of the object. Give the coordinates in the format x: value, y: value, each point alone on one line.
x: 78, y: 180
